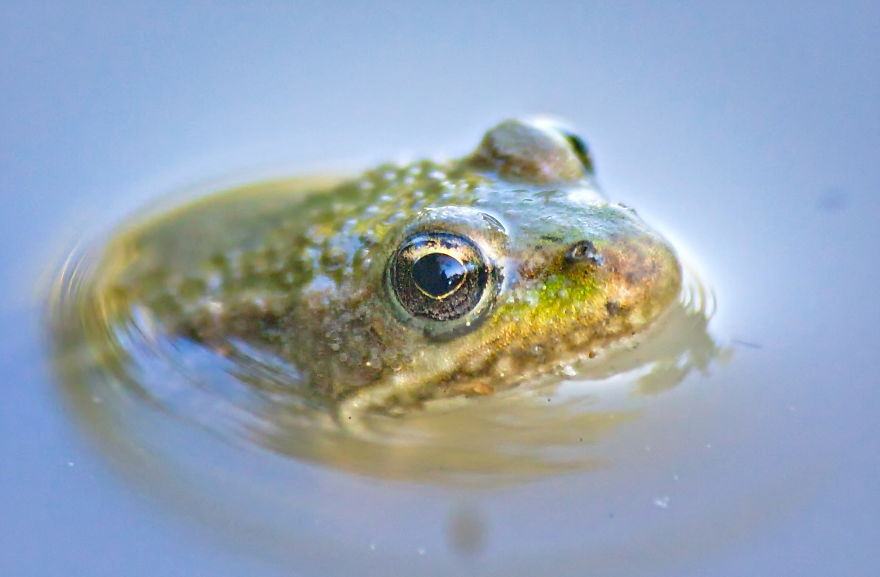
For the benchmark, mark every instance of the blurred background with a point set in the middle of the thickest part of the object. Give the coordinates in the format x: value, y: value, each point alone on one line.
x: 747, y: 131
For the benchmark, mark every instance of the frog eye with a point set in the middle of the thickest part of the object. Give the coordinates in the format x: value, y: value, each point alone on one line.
x: 579, y: 147
x: 438, y: 276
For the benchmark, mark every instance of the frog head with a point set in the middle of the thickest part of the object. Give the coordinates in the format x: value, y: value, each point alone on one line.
x: 533, y: 270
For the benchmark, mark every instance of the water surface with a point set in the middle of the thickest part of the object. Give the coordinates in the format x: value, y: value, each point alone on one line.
x: 747, y: 133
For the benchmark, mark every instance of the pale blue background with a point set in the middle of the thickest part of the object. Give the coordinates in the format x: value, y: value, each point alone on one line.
x: 751, y: 129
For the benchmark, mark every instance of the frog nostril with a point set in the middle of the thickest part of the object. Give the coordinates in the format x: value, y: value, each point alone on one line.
x: 583, y: 251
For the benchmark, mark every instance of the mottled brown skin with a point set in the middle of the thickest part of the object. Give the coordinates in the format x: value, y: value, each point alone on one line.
x: 308, y: 281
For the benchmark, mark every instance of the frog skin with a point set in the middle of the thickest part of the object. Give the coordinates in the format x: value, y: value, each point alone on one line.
x: 424, y: 281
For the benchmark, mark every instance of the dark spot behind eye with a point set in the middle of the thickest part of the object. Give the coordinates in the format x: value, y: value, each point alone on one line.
x: 580, y: 149
x: 583, y: 251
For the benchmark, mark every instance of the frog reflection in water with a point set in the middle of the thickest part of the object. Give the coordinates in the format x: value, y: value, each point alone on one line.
x: 428, y: 281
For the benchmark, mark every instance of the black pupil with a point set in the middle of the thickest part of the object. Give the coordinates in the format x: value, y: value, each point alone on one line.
x: 438, y: 274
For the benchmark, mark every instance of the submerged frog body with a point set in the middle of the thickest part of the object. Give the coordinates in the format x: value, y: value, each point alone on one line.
x: 419, y: 282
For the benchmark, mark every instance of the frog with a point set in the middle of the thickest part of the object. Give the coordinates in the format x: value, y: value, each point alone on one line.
x: 419, y: 282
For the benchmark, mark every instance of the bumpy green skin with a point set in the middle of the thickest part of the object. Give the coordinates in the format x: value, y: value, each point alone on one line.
x: 309, y: 283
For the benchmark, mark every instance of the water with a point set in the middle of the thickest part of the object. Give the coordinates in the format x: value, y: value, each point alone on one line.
x: 748, y: 134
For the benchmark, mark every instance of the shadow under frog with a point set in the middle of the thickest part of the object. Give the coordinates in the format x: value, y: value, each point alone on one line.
x: 406, y: 323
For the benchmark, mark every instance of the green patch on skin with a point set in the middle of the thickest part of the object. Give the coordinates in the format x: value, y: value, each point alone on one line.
x: 565, y: 293
x: 552, y: 304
